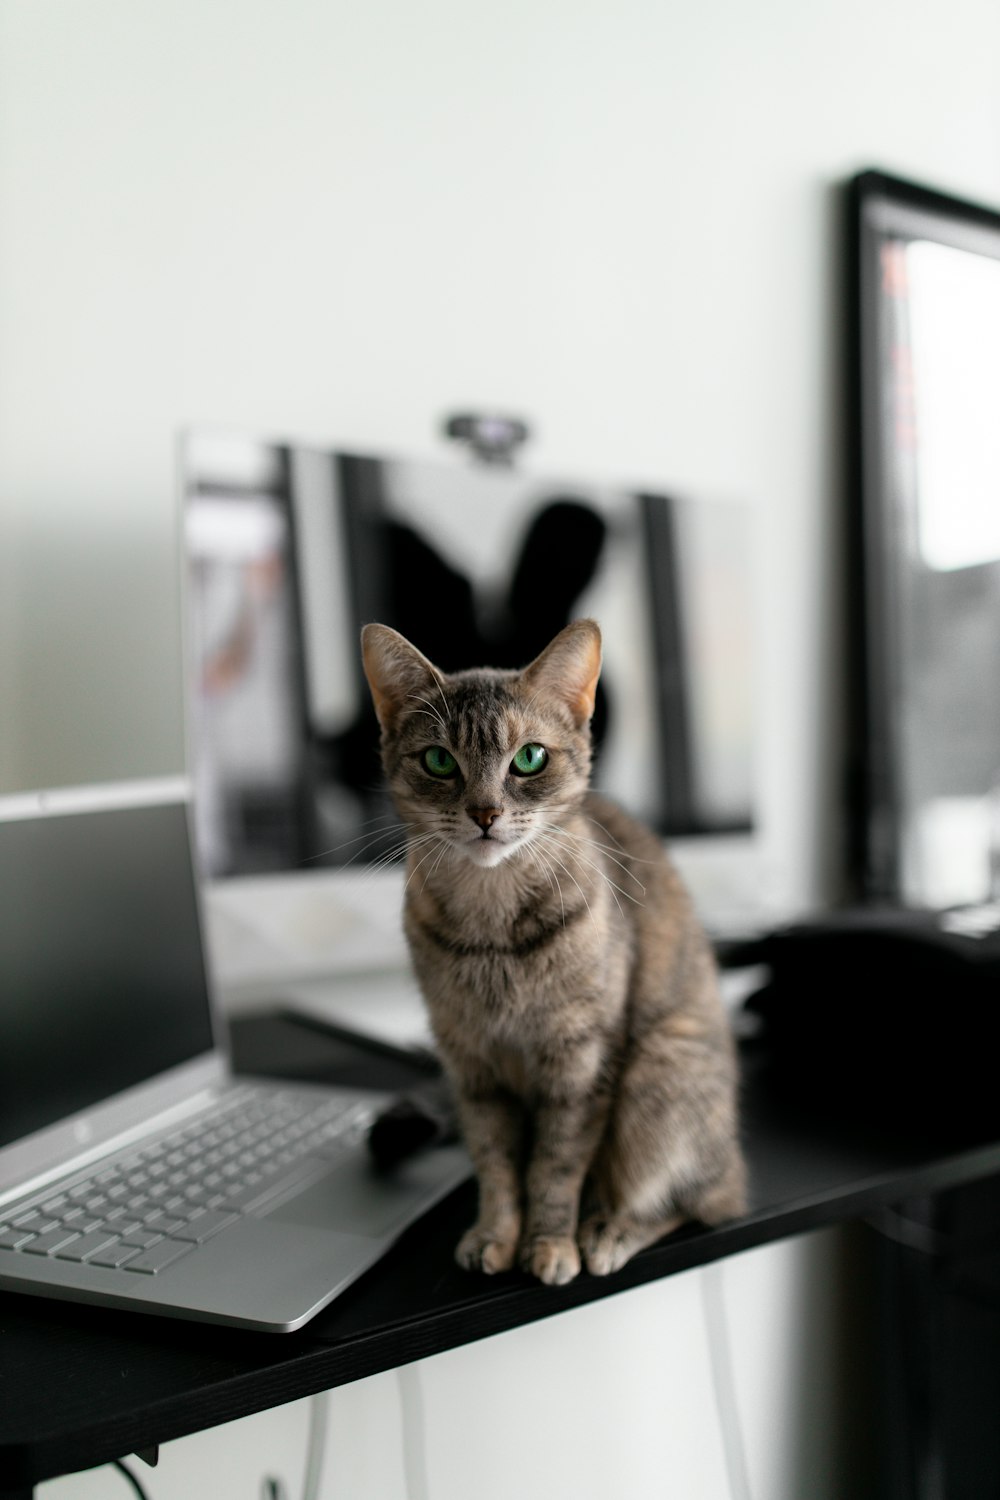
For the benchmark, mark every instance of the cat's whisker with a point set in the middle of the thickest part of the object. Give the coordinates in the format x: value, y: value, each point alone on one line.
x: 532, y: 701
x: 384, y: 856
x: 417, y: 840
x: 567, y: 871
x: 359, y: 853
x: 568, y: 845
x: 617, y: 845
x: 431, y: 838
x: 336, y: 848
x: 406, y: 836
x: 550, y: 876
x: 388, y: 857
x: 609, y: 849
x: 392, y: 856
x: 425, y: 713
x: 568, y: 849
x: 430, y: 711
x: 440, y: 687
x: 582, y: 842
x: 444, y: 850
x: 594, y: 844
x: 616, y: 890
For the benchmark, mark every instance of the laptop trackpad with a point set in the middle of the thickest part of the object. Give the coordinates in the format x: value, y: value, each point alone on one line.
x: 350, y: 1197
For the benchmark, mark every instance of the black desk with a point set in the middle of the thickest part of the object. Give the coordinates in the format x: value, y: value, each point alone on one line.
x: 81, y: 1386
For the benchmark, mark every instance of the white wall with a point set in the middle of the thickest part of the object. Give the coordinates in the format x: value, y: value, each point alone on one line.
x: 339, y: 221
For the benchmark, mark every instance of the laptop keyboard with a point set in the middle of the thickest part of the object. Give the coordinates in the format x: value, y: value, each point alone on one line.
x: 151, y: 1205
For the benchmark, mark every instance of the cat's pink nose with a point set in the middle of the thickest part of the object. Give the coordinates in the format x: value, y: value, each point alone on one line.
x: 484, y: 816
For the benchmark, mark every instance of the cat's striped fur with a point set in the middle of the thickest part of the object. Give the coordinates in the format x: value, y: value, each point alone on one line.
x: 569, y: 984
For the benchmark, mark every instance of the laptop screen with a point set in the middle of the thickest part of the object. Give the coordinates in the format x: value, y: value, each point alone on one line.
x: 102, y: 980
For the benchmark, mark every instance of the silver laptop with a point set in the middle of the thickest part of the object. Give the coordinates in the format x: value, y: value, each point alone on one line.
x: 135, y: 1169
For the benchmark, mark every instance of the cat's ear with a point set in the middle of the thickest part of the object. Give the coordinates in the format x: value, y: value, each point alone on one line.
x: 569, y: 667
x: 397, y: 672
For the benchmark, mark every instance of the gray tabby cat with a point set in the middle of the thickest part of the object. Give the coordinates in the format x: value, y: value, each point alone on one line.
x: 570, y: 987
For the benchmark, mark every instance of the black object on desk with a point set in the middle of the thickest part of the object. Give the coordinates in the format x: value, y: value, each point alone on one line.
x: 888, y: 1019
x: 65, y: 1403
x: 886, y: 1015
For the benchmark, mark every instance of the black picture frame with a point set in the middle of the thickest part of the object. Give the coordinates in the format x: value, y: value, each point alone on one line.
x: 881, y: 210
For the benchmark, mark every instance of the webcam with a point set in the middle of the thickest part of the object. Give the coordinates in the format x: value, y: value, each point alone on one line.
x: 493, y: 438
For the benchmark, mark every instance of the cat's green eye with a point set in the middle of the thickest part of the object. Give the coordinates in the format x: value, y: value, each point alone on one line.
x: 439, y: 761
x: 529, y: 760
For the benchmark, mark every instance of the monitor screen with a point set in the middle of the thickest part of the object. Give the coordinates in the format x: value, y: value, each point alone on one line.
x: 291, y: 549
x: 928, y: 390
x: 102, y: 983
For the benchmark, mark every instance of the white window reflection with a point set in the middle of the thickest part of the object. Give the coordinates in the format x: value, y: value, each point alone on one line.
x: 954, y: 314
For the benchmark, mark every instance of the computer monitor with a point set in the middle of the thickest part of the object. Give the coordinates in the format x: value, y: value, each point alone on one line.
x: 925, y: 383
x: 291, y: 548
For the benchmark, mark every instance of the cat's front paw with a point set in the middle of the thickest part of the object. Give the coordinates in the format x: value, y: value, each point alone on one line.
x: 609, y: 1243
x: 482, y: 1249
x: 605, y: 1246
x: 553, y: 1259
